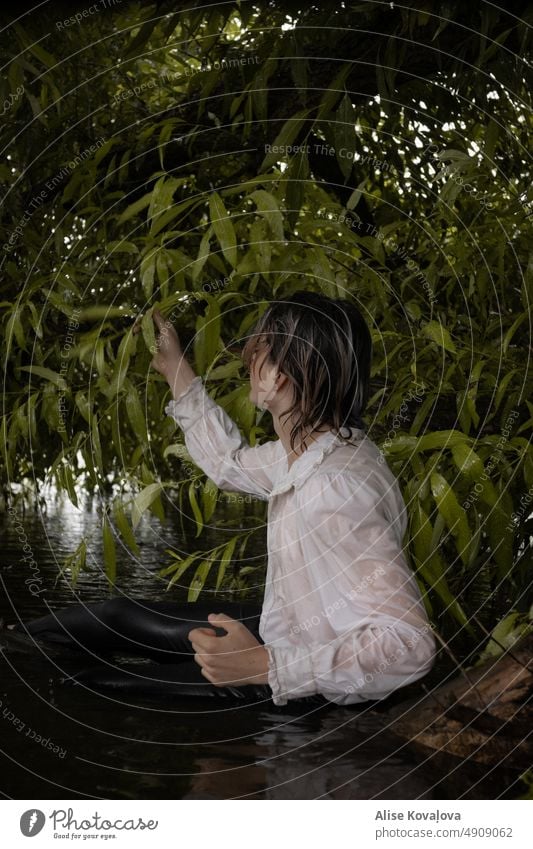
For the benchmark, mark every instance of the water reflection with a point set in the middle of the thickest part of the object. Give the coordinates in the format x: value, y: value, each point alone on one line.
x: 55, y: 529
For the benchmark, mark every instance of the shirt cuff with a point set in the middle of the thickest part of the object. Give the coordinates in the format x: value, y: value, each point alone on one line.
x: 290, y: 674
x: 189, y: 406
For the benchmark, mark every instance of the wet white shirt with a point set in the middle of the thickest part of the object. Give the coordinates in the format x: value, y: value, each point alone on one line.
x: 342, y: 613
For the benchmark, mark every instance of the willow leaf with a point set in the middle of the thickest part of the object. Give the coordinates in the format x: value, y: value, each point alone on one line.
x: 227, y: 554
x: 143, y: 500
x: 110, y: 554
x: 125, y: 528
x: 196, y: 509
x: 223, y: 228
x: 199, y: 579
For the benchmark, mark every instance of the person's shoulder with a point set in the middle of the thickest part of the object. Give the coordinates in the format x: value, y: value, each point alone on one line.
x: 356, y: 458
x: 356, y: 471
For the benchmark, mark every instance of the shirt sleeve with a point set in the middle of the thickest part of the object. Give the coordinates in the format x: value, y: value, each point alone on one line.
x: 217, y: 446
x: 361, y: 629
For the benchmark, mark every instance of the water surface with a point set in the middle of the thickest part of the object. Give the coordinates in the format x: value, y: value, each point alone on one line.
x: 61, y: 741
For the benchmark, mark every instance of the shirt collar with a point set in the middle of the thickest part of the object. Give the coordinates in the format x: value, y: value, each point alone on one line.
x: 307, y: 462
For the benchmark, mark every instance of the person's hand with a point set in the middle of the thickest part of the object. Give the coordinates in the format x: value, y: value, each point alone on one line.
x: 168, y: 351
x: 235, y: 659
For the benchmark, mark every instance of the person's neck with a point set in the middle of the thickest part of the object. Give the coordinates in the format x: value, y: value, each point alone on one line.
x: 283, y: 429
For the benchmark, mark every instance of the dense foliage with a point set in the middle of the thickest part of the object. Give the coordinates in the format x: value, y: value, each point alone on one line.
x: 208, y: 160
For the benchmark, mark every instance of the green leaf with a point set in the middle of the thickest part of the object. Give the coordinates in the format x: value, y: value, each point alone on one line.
x: 501, y: 534
x: 178, y: 450
x: 260, y: 253
x: 231, y: 369
x: 471, y: 466
x: 162, y: 195
x: 35, y: 320
x: 148, y: 266
x: 137, y: 45
x: 294, y: 182
x: 467, y: 461
x: 42, y: 55
x: 83, y: 406
x: 121, y: 365
x: 502, y: 392
x: 70, y: 486
x: 178, y: 569
x: 122, y: 246
x: 76, y: 562
x: 267, y: 206
x: 323, y: 272
x: 507, y: 632
x: 430, y: 564
x: 164, y: 138
x: 148, y: 332
x: 223, y: 228
x: 14, y: 328
x: 454, y: 515
x: 434, y: 331
x: 110, y: 554
x: 47, y: 374
x: 96, y: 447
x: 355, y: 196
x: 439, y: 439
x: 164, y: 218
x: 136, y: 414
x: 31, y: 407
x: 334, y: 92
x: 207, y: 338
x: 199, y: 579
x: 227, y: 554
x: 4, y: 447
x: 124, y: 528
x: 209, y: 499
x: 38, y: 111
x: 196, y: 509
x: 507, y: 339
x: 344, y: 133
x: 103, y: 312
x: 284, y: 139
x: 143, y: 500
x: 99, y: 358
x: 134, y: 208
x: 203, y: 253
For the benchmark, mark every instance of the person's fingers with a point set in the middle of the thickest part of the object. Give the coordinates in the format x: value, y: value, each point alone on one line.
x: 222, y: 620
x: 159, y: 321
x: 197, y: 634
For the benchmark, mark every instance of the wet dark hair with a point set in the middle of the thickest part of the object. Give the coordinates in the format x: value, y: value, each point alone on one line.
x: 324, y: 347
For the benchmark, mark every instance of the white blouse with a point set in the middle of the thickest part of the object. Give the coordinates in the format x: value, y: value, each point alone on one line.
x: 342, y: 613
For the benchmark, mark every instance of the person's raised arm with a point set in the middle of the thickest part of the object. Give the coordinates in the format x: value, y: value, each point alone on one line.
x: 169, y: 359
x: 211, y: 436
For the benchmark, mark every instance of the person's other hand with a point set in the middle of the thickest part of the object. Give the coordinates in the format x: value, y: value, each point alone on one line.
x: 235, y: 659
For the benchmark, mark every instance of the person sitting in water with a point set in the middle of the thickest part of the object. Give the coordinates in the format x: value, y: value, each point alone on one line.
x: 342, y: 619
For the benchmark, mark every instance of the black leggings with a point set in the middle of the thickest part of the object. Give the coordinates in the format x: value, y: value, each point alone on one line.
x: 156, y: 630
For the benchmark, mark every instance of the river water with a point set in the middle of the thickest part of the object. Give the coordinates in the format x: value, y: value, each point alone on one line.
x: 67, y: 742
